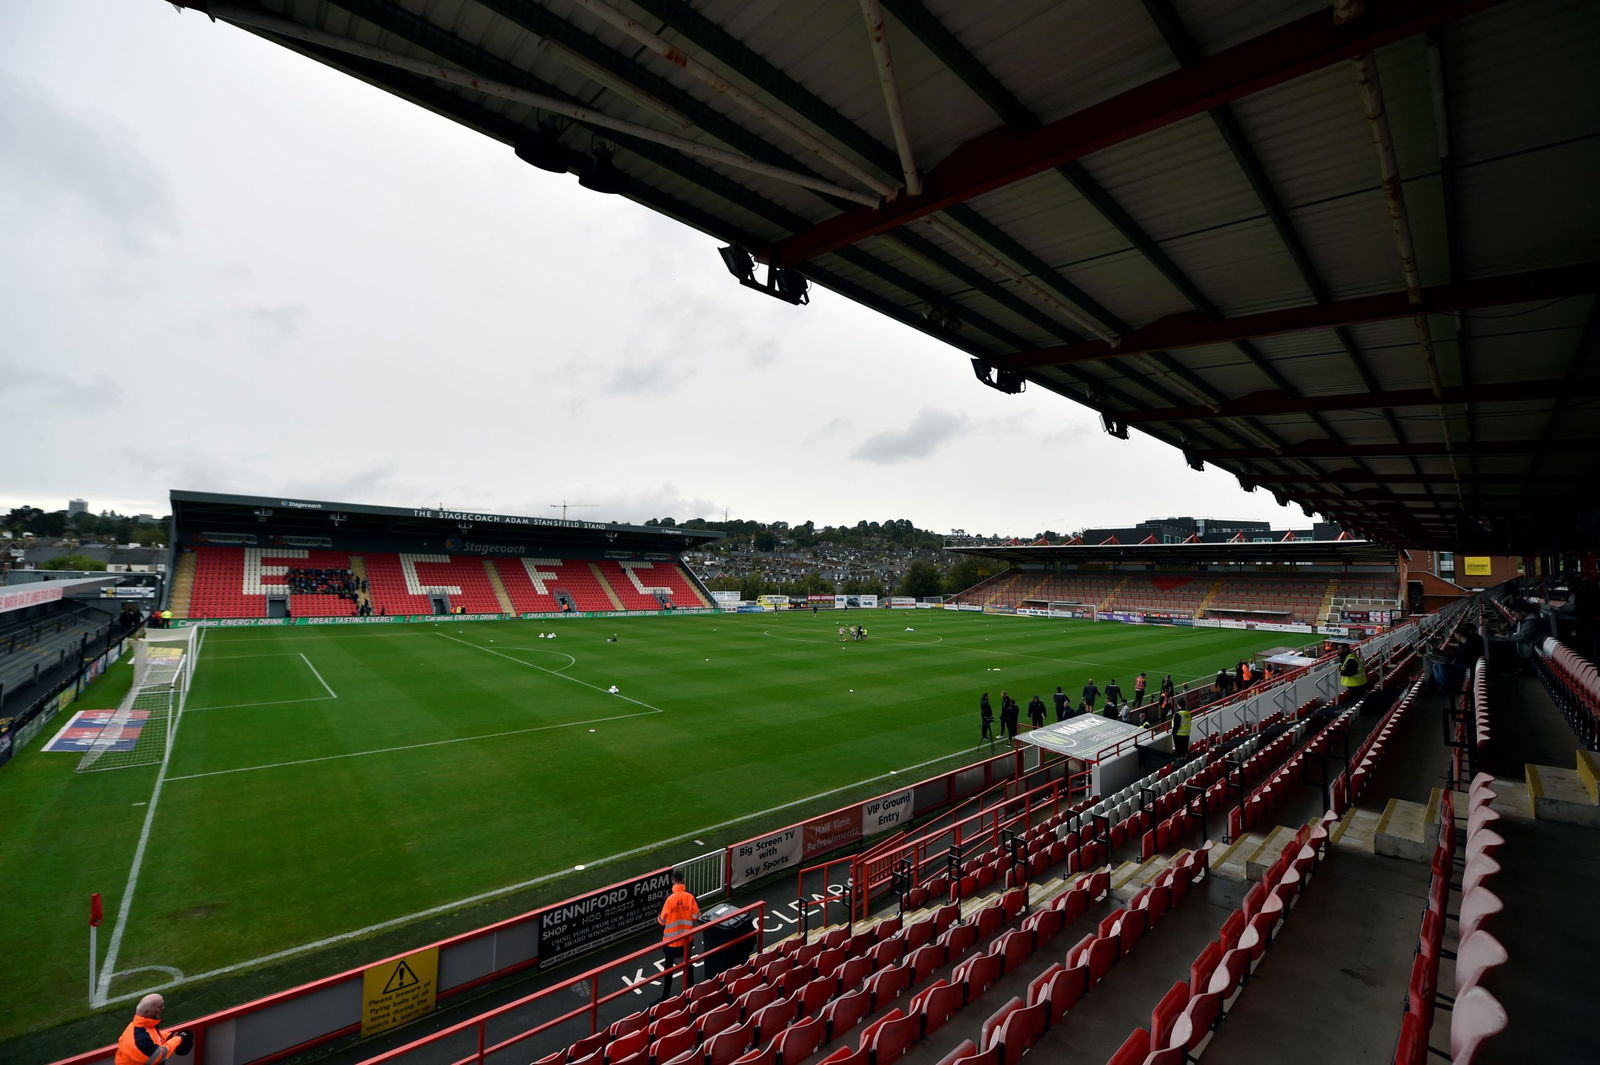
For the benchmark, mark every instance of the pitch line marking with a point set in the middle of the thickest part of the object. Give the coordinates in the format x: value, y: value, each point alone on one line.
x: 103, y: 985
x: 508, y: 889
x: 331, y: 693
x: 270, y: 702
x: 229, y: 658
x: 547, y: 669
x: 937, y: 639
x: 413, y: 746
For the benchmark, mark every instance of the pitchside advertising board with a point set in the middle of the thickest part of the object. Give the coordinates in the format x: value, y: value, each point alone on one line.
x: 585, y: 923
x: 799, y: 844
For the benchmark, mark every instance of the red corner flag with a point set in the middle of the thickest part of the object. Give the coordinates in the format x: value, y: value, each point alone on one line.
x: 95, y: 915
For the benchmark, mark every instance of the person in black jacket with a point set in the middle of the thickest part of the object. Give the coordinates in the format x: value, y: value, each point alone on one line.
x: 1114, y: 693
x: 1009, y: 713
x: 986, y: 716
x: 1036, y: 711
x: 1090, y: 694
x: 1062, y: 710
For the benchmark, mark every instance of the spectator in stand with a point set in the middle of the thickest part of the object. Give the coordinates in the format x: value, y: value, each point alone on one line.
x: 1114, y: 692
x: 1464, y: 648
x: 1138, y: 689
x: 1060, y: 698
x: 1036, y: 711
x: 1530, y: 631
x: 1090, y: 694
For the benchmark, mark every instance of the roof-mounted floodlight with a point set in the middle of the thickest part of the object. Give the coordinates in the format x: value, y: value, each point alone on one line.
x: 1114, y: 426
x: 543, y: 149
x: 1245, y: 484
x: 1193, y: 461
x: 790, y: 286
x: 1008, y: 381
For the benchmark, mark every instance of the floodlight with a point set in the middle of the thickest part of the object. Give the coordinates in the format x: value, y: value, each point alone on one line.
x: 543, y: 149
x: 602, y: 175
x: 790, y: 286
x: 1308, y: 510
x: 1193, y: 461
x: 1008, y: 381
x: 738, y: 262
x: 1114, y: 426
x: 1245, y: 484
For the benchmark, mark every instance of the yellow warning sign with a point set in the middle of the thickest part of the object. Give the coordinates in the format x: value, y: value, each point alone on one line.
x: 399, y: 990
x: 1477, y: 565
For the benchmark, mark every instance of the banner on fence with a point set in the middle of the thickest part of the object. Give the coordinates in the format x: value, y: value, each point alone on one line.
x: 581, y: 924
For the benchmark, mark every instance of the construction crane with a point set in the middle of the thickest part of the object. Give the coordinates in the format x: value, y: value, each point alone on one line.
x: 564, y: 505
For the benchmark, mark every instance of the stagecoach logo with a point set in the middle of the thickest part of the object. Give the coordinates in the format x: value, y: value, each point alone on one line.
x: 297, y: 503
x: 456, y: 544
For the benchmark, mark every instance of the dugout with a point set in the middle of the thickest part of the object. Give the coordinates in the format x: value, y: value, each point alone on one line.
x: 1105, y: 748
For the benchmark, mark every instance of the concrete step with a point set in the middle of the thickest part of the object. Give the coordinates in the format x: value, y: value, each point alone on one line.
x: 1356, y: 831
x: 1263, y: 856
x: 1589, y: 773
x: 1405, y: 830
x: 1561, y: 795
x: 1229, y: 862
x: 1129, y: 877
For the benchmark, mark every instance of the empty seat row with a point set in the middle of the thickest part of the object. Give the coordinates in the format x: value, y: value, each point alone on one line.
x: 1476, y: 1015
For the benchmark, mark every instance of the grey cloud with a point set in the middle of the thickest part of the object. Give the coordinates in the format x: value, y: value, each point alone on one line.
x: 927, y: 432
x: 55, y: 161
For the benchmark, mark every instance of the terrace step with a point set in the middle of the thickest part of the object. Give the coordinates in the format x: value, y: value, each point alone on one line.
x: 1356, y: 831
x: 499, y: 586
x: 1403, y: 831
x: 1589, y: 773
x: 1130, y: 876
x: 1230, y: 861
x: 1261, y: 859
x: 1561, y: 795
x: 605, y: 586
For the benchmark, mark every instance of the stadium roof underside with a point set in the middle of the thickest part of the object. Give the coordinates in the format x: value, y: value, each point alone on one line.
x: 206, y: 511
x: 1348, y: 552
x: 1349, y: 254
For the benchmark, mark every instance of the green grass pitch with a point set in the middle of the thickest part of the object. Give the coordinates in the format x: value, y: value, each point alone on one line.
x: 328, y: 780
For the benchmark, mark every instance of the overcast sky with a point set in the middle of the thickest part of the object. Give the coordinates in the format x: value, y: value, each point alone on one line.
x: 227, y: 268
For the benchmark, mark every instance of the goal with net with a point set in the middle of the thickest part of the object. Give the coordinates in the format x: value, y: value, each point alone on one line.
x: 144, y: 725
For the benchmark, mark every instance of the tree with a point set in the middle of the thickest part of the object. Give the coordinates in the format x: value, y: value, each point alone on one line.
x: 966, y: 572
x: 73, y: 562
x: 920, y: 580
x: 150, y: 535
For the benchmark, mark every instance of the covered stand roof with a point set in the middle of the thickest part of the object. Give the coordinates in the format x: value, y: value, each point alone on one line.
x: 201, y: 512
x: 1350, y: 255
x: 1348, y: 552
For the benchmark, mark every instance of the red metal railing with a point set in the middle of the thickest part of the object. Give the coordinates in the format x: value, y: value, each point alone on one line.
x: 428, y: 1046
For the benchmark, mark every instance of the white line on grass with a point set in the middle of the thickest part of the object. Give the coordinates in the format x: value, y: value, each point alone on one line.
x: 414, y: 746
x: 103, y: 986
x: 471, y: 900
x: 267, y: 654
x: 544, y: 669
x: 331, y: 693
x: 270, y: 702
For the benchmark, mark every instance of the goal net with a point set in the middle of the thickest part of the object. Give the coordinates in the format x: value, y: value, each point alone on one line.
x: 142, y: 729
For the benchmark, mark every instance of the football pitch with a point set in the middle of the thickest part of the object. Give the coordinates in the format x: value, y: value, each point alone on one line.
x: 330, y: 786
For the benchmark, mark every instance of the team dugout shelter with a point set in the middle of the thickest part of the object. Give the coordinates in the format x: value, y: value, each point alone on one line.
x: 260, y: 559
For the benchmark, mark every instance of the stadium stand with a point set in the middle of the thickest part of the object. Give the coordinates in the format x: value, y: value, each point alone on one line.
x: 1260, y: 597
x: 232, y: 582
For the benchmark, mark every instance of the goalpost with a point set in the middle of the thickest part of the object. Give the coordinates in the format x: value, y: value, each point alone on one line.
x: 141, y: 730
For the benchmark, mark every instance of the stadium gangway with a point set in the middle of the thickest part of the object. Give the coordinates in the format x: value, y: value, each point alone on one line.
x: 930, y: 848
x: 429, y: 1047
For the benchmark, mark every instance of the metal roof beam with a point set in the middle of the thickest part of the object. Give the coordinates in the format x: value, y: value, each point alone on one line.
x: 1003, y: 156
x: 1338, y: 449
x: 1194, y: 329
x: 1264, y: 404
x: 1360, y: 476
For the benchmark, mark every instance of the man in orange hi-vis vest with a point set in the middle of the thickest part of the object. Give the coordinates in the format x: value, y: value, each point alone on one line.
x: 677, y: 929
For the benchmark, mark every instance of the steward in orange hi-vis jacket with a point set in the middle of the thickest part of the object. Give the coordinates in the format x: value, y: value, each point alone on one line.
x: 144, y: 1043
x: 677, y: 928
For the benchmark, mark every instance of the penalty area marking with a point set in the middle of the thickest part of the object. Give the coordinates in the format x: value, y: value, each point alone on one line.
x: 833, y: 638
x: 473, y: 900
x: 331, y: 693
x: 277, y: 702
